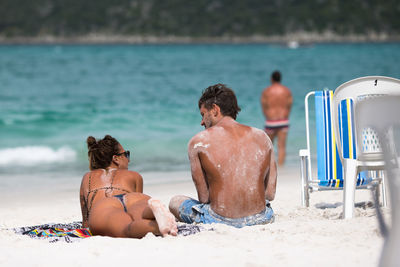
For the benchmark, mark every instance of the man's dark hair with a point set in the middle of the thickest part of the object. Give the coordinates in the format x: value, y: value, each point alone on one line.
x: 223, y: 97
x: 101, y: 151
x: 276, y: 76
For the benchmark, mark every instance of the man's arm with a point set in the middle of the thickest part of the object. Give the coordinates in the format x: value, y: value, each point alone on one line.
x: 198, y: 176
x: 270, y: 178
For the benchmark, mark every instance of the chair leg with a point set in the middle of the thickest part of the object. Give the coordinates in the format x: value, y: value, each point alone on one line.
x: 304, y: 184
x: 383, y: 188
x: 378, y: 189
x: 307, y: 196
x: 350, y: 176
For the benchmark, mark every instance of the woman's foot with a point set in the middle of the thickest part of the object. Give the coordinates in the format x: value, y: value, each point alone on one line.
x: 165, y: 219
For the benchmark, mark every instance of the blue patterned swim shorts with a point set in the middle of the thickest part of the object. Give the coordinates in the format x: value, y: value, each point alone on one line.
x: 192, y: 211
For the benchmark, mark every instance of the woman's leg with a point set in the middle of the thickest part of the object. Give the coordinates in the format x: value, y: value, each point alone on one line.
x: 165, y: 219
x: 141, y: 207
x: 109, y: 218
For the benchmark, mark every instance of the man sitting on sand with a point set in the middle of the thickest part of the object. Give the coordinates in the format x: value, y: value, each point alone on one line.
x: 233, y: 167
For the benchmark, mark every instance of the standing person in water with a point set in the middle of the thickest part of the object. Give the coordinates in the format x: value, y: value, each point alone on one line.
x: 111, y: 196
x: 233, y: 167
x: 276, y: 102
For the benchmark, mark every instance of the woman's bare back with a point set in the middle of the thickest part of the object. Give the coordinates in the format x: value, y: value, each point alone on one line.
x: 101, y: 183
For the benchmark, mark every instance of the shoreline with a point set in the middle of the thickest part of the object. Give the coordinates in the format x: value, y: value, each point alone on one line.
x: 302, y: 38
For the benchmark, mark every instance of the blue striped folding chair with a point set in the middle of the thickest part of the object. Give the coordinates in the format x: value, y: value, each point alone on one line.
x: 330, y: 170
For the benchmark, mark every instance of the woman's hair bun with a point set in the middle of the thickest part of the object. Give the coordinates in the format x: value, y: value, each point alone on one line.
x: 91, y: 141
x: 101, y: 151
x: 108, y: 137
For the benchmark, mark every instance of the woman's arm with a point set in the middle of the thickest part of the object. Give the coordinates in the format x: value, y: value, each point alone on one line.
x: 83, y: 201
x: 139, y: 183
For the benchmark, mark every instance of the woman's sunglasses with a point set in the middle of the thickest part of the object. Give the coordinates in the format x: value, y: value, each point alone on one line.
x: 126, y: 153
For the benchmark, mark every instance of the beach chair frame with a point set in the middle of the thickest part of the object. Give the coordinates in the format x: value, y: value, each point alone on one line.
x: 308, y: 183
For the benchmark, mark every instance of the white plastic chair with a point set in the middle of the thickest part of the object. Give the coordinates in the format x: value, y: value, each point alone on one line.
x: 366, y: 153
x: 382, y: 114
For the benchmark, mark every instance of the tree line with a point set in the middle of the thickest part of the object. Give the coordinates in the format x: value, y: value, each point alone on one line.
x: 197, y: 18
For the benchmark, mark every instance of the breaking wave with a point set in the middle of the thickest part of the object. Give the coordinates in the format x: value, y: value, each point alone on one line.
x: 32, y: 155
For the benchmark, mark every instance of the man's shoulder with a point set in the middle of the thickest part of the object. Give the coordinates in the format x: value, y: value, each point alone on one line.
x: 287, y: 89
x: 266, y: 90
x: 253, y: 131
x: 278, y: 87
x: 261, y: 136
x: 258, y: 132
x: 281, y: 87
x: 198, y: 138
x: 275, y: 89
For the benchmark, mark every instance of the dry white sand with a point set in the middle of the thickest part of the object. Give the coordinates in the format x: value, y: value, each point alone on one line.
x: 314, y: 236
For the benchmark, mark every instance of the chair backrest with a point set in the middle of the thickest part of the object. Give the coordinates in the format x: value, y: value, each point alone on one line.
x: 346, y: 133
x: 382, y: 115
x: 346, y: 97
x: 329, y: 165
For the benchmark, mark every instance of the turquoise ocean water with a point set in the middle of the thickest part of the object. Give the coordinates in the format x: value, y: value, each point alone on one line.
x: 52, y: 97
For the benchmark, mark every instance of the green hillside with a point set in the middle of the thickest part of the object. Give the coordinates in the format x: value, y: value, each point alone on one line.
x: 197, y: 18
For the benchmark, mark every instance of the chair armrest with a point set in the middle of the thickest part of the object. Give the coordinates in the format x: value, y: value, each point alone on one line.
x: 304, y: 153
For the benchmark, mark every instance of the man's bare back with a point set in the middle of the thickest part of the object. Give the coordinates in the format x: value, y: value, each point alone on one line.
x: 276, y: 102
x: 233, y: 167
x: 236, y: 162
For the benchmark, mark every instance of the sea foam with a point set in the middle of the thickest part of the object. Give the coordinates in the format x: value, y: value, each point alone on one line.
x: 31, y: 155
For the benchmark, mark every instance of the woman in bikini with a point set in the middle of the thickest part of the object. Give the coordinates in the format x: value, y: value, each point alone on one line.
x: 111, y: 196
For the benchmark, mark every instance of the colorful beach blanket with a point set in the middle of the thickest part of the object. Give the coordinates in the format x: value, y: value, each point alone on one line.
x: 54, y: 232
x: 71, y: 232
